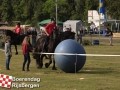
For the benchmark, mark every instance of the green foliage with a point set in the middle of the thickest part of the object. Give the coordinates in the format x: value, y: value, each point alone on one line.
x: 33, y: 11
x: 113, y: 8
x: 7, y: 10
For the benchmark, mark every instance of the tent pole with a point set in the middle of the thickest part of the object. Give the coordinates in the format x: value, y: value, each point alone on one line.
x: 99, y: 25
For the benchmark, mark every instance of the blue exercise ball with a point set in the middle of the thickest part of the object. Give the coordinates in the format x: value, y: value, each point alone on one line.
x: 70, y: 63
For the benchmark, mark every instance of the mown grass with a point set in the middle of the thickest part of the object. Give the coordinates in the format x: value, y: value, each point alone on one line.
x: 98, y: 73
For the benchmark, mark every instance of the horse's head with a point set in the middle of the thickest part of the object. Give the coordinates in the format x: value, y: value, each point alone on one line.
x: 68, y: 35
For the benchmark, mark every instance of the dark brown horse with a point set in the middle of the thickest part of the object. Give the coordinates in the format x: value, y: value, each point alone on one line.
x: 15, y: 39
x: 54, y: 40
x: 40, y: 47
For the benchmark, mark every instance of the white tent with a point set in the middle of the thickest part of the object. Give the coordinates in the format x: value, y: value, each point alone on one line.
x: 75, y: 25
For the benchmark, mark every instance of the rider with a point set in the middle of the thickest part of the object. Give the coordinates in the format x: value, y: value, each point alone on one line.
x: 18, y: 29
x: 49, y: 30
x: 50, y: 27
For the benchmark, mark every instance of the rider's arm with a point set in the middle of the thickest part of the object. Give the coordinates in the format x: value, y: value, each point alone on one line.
x: 46, y: 32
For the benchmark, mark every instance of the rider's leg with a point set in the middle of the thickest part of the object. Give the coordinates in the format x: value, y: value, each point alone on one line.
x: 46, y: 43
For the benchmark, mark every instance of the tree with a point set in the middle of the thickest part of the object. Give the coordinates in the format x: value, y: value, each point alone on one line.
x: 7, y: 10
x: 32, y: 11
x: 112, y: 9
x: 64, y: 12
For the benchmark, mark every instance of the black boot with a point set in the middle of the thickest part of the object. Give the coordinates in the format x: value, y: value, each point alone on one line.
x: 23, y: 69
x: 28, y: 68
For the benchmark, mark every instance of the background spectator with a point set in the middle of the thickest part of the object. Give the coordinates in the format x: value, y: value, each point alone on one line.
x: 8, y: 52
x: 26, y: 49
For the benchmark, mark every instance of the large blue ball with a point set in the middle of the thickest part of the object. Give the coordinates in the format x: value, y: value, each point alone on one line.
x: 70, y: 63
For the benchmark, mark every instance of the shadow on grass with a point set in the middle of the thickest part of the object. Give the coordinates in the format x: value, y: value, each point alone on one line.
x: 97, y: 70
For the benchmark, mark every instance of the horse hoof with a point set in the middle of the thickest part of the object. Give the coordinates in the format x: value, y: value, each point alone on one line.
x: 46, y: 65
x: 39, y: 67
x: 16, y: 53
x: 54, y: 68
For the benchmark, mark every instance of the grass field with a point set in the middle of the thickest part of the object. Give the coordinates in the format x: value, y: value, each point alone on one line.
x: 98, y: 73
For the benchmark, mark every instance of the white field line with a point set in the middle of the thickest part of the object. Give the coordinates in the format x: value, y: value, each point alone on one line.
x: 100, y: 55
x: 81, y: 54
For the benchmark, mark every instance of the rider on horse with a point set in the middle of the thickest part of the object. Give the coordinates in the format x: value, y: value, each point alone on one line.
x: 18, y: 32
x: 18, y: 29
x: 48, y: 31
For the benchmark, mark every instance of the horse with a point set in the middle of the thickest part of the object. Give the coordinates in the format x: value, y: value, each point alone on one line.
x: 15, y: 38
x: 40, y: 47
x: 54, y: 40
x: 68, y: 35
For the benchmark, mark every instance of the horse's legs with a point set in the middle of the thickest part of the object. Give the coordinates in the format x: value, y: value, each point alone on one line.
x: 50, y: 61
x: 16, y: 49
x: 41, y: 60
x: 54, y: 68
x: 38, y: 62
x: 46, y: 57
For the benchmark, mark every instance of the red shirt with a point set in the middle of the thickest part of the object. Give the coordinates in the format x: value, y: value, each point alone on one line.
x: 50, y: 27
x: 25, y: 48
x: 18, y: 30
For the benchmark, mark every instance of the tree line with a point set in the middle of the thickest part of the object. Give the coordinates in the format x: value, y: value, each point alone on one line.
x: 33, y: 11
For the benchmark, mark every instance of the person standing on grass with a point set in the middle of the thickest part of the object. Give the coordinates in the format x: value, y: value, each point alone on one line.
x: 110, y: 35
x: 26, y: 49
x: 8, y: 52
x: 80, y: 35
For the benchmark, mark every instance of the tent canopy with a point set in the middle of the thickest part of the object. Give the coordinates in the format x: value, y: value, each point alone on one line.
x: 44, y: 22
